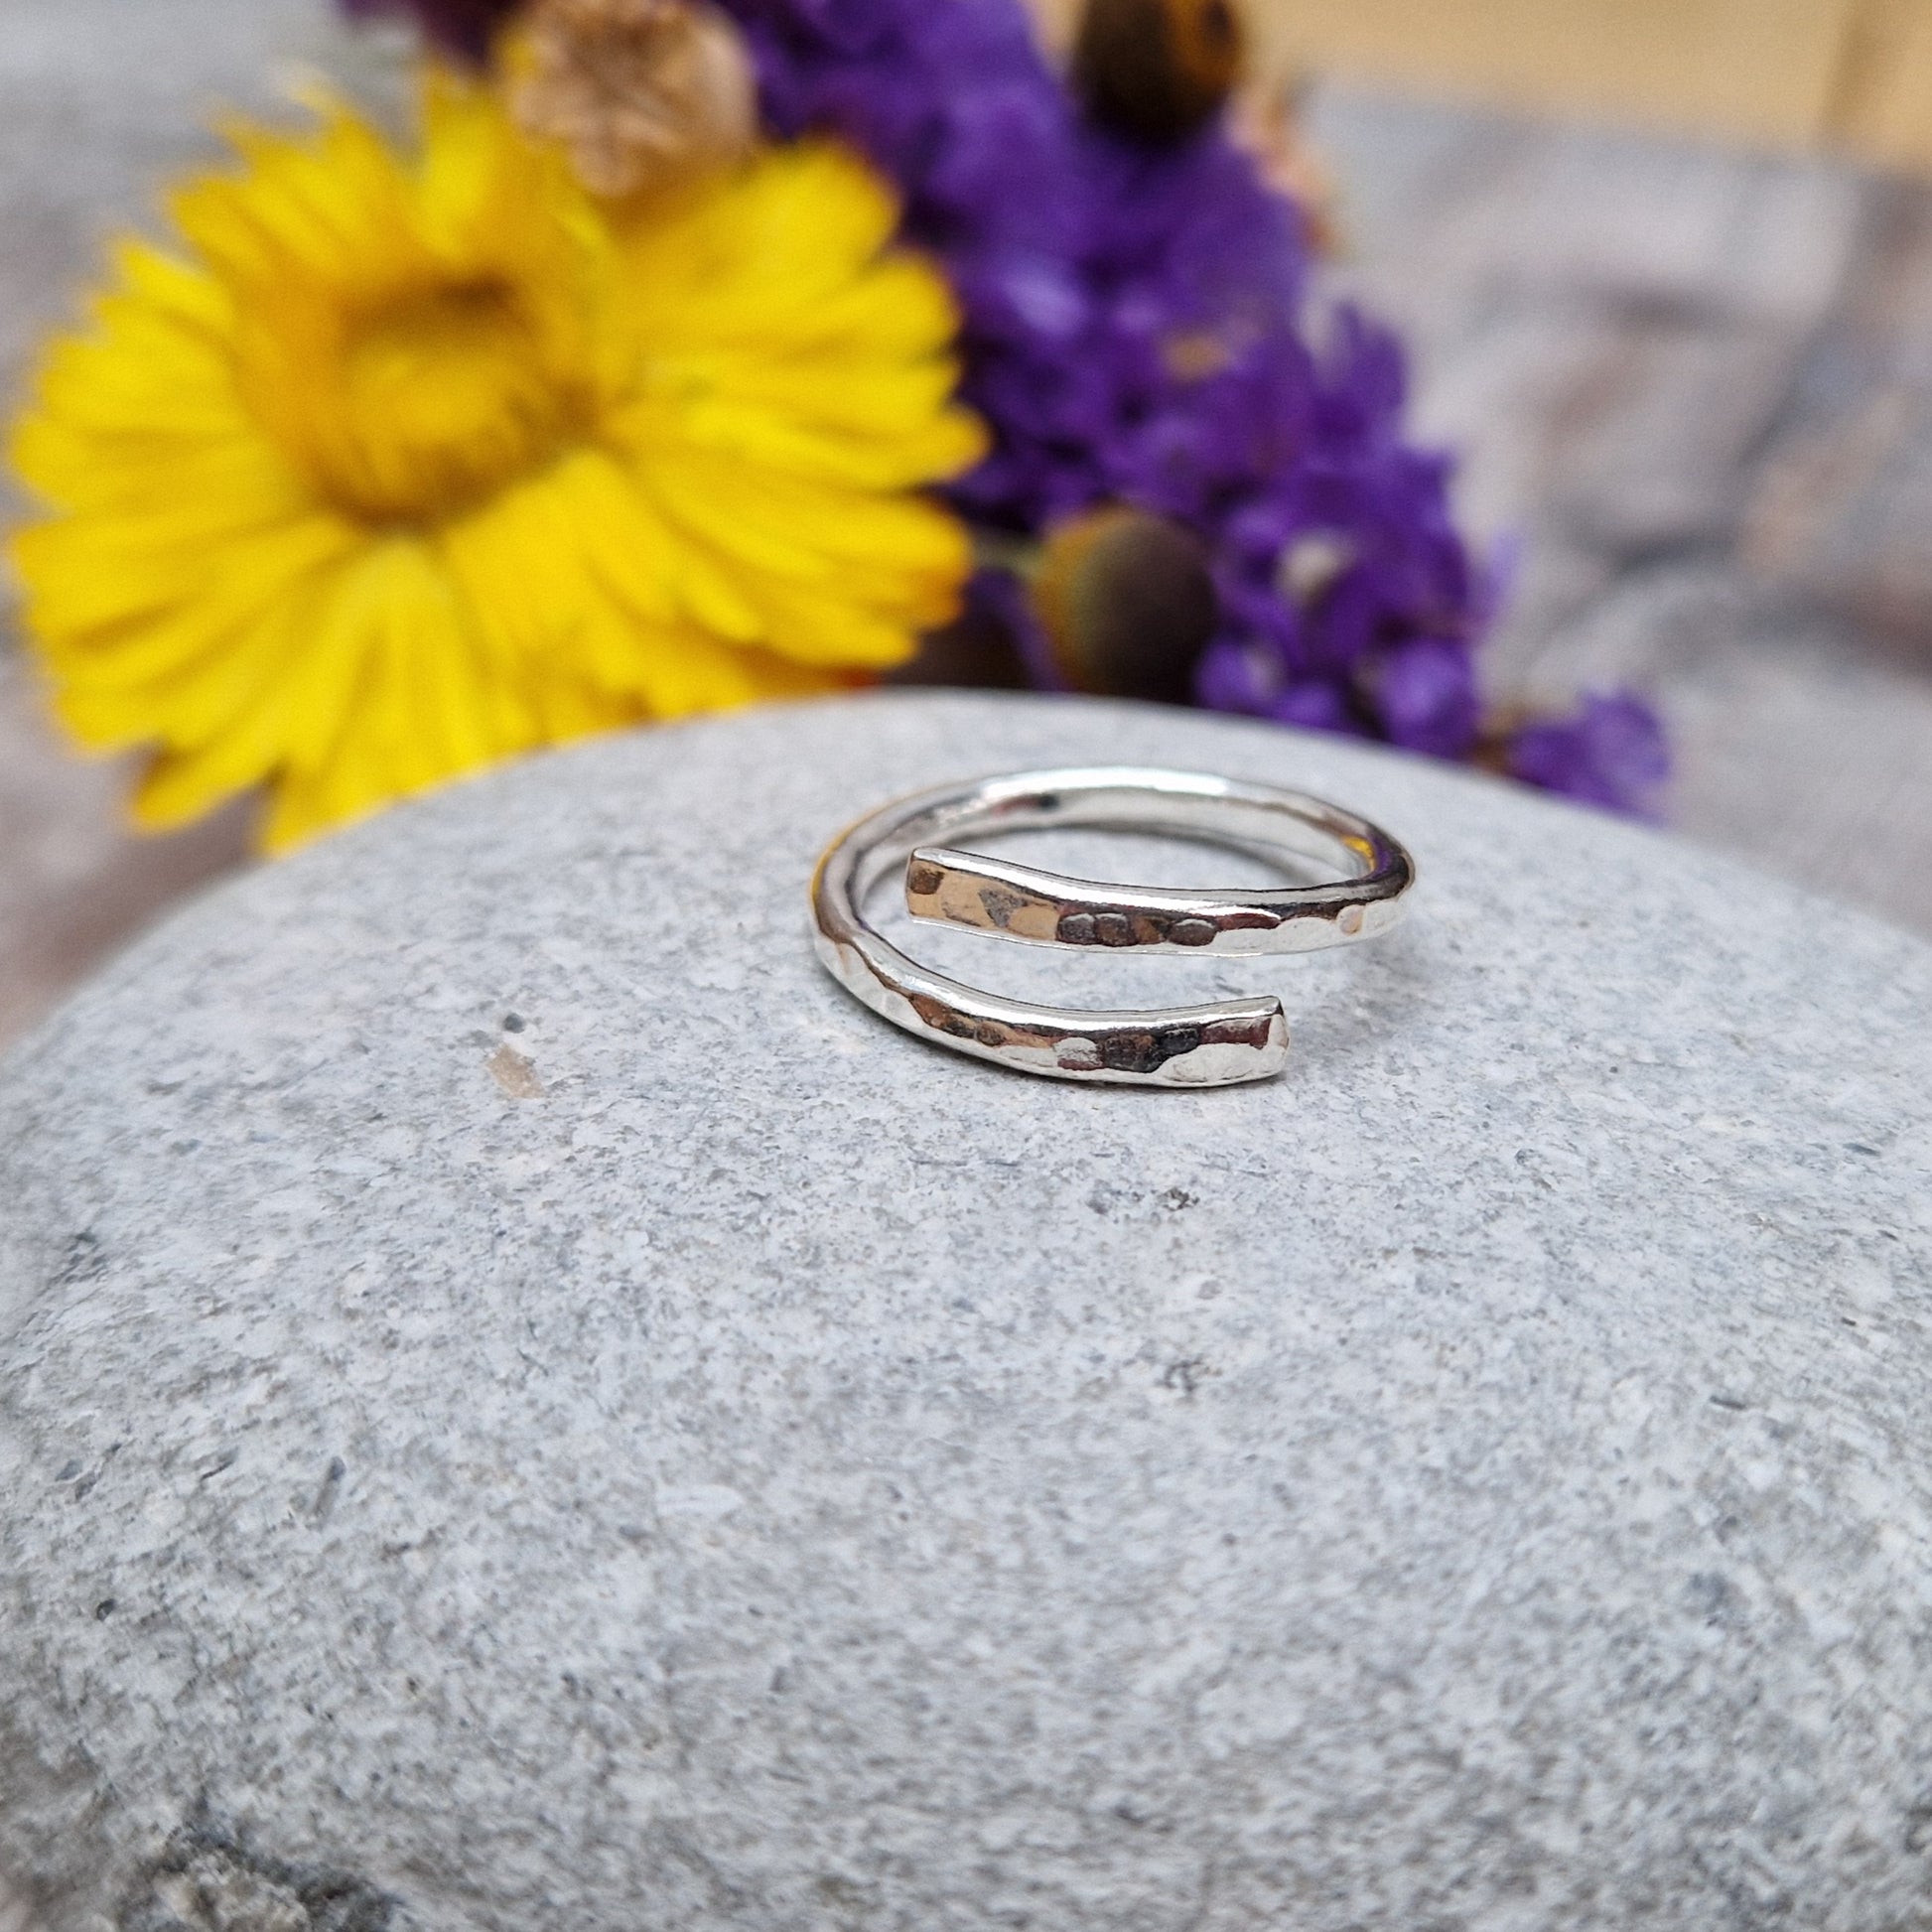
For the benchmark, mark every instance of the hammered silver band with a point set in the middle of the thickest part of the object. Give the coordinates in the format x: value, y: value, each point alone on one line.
x: 1222, y: 1044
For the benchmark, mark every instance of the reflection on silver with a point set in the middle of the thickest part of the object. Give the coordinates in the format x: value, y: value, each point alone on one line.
x: 1213, y: 1046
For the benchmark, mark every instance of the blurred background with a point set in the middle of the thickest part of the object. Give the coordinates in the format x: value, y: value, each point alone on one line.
x: 1666, y: 270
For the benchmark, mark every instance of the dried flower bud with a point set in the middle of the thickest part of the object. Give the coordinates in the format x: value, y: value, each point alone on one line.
x: 1158, y: 69
x: 1126, y: 603
x: 642, y: 93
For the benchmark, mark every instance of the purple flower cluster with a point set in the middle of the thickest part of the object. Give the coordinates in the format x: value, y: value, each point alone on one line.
x: 1135, y: 331
x: 1351, y: 603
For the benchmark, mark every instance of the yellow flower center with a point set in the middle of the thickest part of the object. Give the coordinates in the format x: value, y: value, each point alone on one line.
x: 437, y: 397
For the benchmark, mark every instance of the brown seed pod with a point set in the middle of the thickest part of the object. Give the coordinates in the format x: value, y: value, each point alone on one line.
x: 1158, y: 70
x: 1127, y: 602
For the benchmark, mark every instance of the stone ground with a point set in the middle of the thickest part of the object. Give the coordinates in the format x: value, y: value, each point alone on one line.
x: 1694, y: 385
x: 715, y: 1465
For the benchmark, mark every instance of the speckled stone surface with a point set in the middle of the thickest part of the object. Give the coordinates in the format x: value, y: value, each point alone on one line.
x: 521, y: 1406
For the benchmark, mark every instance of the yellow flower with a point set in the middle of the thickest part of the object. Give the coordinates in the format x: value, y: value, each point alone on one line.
x: 418, y: 461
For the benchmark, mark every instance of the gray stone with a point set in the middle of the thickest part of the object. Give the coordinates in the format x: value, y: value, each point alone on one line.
x: 522, y: 1406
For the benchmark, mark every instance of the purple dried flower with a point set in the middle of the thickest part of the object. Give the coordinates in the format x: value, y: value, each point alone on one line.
x: 1612, y: 754
x: 461, y: 26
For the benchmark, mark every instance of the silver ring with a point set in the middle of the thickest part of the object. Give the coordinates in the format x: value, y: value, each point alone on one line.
x: 1220, y: 1045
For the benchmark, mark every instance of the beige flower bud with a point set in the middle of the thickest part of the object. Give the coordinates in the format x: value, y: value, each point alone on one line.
x: 642, y: 93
